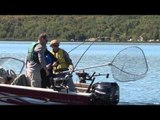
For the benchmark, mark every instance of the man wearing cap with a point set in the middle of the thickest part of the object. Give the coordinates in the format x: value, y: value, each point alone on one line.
x: 64, y: 62
x: 35, y: 60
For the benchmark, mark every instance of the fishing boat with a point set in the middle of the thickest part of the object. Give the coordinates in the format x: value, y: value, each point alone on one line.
x: 16, y: 91
x: 103, y: 93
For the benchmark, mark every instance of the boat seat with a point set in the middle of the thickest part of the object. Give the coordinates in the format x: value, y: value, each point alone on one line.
x: 3, y: 75
x: 21, y: 80
x: 2, y: 80
x: 6, y: 76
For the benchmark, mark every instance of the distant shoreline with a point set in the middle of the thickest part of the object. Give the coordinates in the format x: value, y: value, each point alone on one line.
x: 16, y: 39
x: 96, y: 43
x: 29, y: 40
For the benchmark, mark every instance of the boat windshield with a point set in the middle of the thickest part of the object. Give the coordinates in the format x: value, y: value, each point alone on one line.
x: 12, y: 63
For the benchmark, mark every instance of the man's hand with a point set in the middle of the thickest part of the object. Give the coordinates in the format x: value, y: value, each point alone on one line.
x: 71, y: 68
x: 55, y: 64
x: 48, y: 66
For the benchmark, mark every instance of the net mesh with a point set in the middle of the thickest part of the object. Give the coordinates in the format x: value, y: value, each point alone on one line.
x: 129, y: 64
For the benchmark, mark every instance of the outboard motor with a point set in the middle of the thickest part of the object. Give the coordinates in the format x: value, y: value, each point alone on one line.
x: 105, y: 93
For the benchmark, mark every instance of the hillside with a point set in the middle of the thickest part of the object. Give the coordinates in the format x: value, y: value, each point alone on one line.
x: 113, y: 28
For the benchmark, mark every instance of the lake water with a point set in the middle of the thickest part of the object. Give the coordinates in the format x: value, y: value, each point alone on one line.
x: 144, y: 91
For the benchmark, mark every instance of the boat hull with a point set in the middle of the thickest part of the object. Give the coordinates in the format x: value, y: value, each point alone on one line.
x: 15, y: 95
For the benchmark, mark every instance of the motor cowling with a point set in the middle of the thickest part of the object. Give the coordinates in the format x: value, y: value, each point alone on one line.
x: 105, y: 93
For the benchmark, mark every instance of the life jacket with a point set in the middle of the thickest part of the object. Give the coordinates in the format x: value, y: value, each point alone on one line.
x: 61, y: 59
x: 32, y: 55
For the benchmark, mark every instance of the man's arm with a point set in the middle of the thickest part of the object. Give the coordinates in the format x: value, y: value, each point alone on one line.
x: 40, y: 50
x: 41, y: 56
x: 67, y: 58
x: 69, y: 61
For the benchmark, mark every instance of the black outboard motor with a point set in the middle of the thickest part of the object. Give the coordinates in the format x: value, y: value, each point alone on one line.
x: 105, y: 93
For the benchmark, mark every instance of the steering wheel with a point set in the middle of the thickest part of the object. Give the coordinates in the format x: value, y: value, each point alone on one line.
x: 11, y: 73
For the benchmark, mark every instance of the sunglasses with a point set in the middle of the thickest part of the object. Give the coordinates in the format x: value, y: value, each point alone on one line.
x: 55, y: 45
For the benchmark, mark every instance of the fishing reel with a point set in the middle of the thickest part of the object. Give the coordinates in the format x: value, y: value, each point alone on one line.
x: 59, y: 81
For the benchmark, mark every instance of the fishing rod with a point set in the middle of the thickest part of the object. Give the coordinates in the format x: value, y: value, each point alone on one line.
x: 92, y: 67
x: 70, y: 73
x: 76, y: 47
x: 83, y: 54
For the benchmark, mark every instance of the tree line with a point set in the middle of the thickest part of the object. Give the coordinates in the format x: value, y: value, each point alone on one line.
x: 109, y: 28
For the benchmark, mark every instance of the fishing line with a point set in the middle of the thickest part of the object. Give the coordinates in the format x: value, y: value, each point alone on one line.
x: 83, y: 54
x: 76, y: 47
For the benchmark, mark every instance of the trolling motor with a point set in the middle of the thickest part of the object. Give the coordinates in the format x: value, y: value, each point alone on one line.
x: 83, y: 76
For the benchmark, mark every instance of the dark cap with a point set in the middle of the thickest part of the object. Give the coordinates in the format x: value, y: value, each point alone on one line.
x: 43, y: 35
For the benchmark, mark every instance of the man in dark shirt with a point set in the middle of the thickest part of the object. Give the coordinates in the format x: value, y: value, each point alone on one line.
x: 35, y: 61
